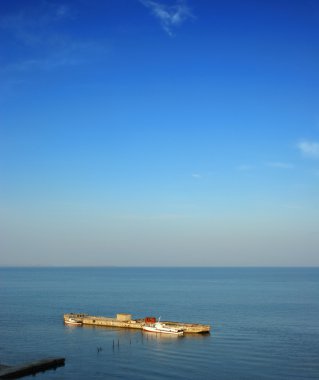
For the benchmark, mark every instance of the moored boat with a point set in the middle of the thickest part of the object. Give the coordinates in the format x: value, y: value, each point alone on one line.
x: 73, y: 321
x: 159, y: 327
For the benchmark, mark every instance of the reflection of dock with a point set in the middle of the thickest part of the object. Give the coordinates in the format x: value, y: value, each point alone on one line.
x: 126, y: 321
x: 13, y: 372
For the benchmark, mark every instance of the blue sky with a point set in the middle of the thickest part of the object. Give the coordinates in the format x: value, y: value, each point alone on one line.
x: 140, y: 132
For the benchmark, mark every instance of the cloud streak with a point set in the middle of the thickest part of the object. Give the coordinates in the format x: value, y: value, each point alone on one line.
x: 62, y: 53
x: 309, y: 148
x: 44, y: 64
x: 31, y: 25
x: 280, y: 165
x: 169, y: 16
x: 41, y: 43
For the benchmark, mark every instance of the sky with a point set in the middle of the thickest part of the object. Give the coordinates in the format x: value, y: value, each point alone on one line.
x: 159, y: 133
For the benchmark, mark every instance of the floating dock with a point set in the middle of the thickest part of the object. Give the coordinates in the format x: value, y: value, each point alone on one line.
x: 14, y: 372
x: 126, y: 321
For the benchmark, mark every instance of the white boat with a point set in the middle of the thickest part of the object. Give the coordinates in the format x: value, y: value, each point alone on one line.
x: 159, y: 327
x: 73, y: 321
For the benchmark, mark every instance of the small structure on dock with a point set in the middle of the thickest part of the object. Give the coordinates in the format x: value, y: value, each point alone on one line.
x: 124, y: 320
x: 124, y: 317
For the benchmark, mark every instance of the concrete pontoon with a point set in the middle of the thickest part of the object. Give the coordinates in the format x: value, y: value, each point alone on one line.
x: 126, y: 321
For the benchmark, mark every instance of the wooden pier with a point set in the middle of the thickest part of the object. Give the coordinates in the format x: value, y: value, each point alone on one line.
x: 126, y: 321
x: 14, y: 372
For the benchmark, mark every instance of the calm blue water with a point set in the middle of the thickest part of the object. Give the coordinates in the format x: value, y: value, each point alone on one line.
x: 265, y: 322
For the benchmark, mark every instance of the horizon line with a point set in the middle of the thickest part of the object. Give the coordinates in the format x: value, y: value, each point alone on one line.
x: 151, y: 266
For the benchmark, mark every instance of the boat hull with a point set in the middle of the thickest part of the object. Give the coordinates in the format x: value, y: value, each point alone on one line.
x: 162, y: 331
x: 72, y: 322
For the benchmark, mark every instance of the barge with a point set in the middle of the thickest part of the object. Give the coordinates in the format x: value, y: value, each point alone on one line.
x: 126, y: 321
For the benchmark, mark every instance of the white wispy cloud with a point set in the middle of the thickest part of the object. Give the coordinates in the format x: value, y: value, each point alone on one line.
x: 197, y: 175
x: 31, y: 24
x: 33, y: 29
x: 280, y: 165
x: 309, y: 148
x: 37, y: 31
x: 44, y: 64
x: 170, y: 16
x: 61, y: 54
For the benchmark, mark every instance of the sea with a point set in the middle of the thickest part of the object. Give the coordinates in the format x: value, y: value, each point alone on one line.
x: 264, y: 322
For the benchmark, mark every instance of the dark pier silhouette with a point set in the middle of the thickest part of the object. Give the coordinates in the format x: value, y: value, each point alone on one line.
x: 26, y: 369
